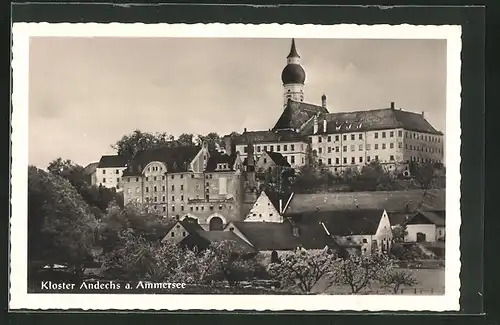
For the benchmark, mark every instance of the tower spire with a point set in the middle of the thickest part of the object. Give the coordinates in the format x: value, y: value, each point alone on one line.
x: 293, y: 51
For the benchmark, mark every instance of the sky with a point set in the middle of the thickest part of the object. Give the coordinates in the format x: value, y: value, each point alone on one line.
x: 86, y: 93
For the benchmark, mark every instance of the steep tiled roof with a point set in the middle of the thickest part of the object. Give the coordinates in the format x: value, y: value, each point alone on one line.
x: 296, y: 114
x: 343, y: 223
x: 426, y: 217
x: 176, y: 159
x: 280, y: 236
x: 112, y: 161
x: 203, y: 239
x: 397, y: 201
x: 377, y: 119
x: 191, y: 225
x: 268, y: 136
x: 278, y: 159
x: 276, y: 197
x: 219, y: 158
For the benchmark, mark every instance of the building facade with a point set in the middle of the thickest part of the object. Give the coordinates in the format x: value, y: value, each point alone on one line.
x: 191, y: 181
x: 392, y: 136
x: 109, y: 171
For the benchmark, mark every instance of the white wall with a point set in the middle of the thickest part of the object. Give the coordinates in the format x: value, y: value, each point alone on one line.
x: 264, y: 211
x: 109, y: 177
x: 428, y: 230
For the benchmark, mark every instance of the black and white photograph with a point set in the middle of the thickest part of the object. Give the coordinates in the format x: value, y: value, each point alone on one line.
x: 287, y: 166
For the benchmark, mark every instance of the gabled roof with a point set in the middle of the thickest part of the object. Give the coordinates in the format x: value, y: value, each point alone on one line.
x: 426, y: 217
x: 377, y: 119
x: 276, y: 197
x: 112, y: 161
x: 278, y: 159
x: 191, y: 225
x: 256, y: 137
x: 343, y: 223
x: 177, y: 159
x: 392, y: 201
x: 296, y: 114
x: 280, y: 236
x: 203, y: 239
x: 219, y: 158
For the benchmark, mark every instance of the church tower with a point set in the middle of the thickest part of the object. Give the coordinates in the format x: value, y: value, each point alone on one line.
x: 293, y: 77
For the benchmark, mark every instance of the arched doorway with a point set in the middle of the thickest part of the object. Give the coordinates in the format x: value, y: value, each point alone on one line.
x: 420, y: 237
x: 216, y: 223
x: 274, y: 257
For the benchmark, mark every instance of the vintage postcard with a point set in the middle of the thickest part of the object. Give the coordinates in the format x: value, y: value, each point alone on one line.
x: 235, y: 167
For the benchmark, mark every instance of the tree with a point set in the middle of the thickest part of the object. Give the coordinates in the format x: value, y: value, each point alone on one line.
x: 132, y: 144
x: 61, y: 226
x: 359, y: 272
x: 67, y: 169
x: 424, y: 173
x: 394, y: 279
x: 313, y: 176
x: 399, y: 233
x: 212, y: 139
x: 185, y: 140
x: 302, y: 269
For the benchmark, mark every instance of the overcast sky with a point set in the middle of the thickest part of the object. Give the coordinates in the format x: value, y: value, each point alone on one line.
x: 85, y: 93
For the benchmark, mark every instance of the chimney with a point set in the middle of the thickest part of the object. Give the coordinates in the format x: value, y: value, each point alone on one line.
x: 324, y: 126
x: 281, y: 206
x: 228, y: 144
x: 315, y: 124
x: 244, y: 130
x: 323, y: 100
x: 423, y: 114
x: 393, y: 105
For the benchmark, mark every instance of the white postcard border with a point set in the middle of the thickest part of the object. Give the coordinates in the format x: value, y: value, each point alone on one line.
x: 20, y: 299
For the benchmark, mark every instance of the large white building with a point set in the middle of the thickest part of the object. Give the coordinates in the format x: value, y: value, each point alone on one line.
x: 108, y: 172
x: 391, y: 135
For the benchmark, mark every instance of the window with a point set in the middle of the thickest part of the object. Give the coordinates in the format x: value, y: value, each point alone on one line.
x: 383, y: 134
x: 360, y: 147
x: 320, y: 139
x: 137, y: 179
x: 155, y: 199
x: 329, y: 138
x: 376, y: 146
x: 391, y: 145
x: 344, y: 149
x: 163, y: 188
x: 329, y: 161
x: 368, y: 146
x: 391, y: 134
x: 154, y: 178
x: 182, y: 208
x: 376, y: 157
x: 245, y: 149
x: 345, y: 137
x: 172, y: 234
x: 383, y: 145
x: 320, y: 150
x: 147, y: 189
x: 292, y: 159
x: 265, y: 160
x: 129, y: 191
x: 285, y: 147
x: 182, y: 175
x: 337, y: 149
x: 353, y: 160
x: 147, y: 178
x: 118, y: 180
x: 292, y: 147
x: 320, y: 161
x: 376, y: 135
x: 163, y: 198
x: 220, y: 207
x: 337, y: 161
x: 336, y: 138
x: 345, y: 160
x: 173, y: 208
x: 400, y: 133
x: 173, y: 187
x: 258, y: 148
x: 278, y: 147
x: 361, y: 136
x: 163, y: 177
x: 104, y: 171
x: 173, y: 198
x: 353, y: 137
x: 360, y: 159
x: 164, y: 208
x: 117, y: 171
x: 182, y: 187
x: 172, y: 176
x: 400, y: 144
x: 329, y: 149
x: 367, y: 158
x: 353, y: 147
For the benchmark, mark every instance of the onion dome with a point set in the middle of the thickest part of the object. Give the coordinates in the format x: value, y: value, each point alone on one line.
x: 293, y: 73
